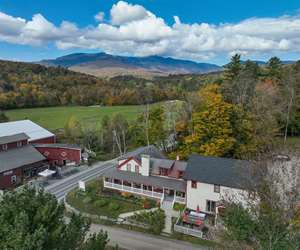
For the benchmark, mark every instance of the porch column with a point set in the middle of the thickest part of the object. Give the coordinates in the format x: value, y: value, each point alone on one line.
x: 131, y: 185
x: 152, y: 191
x: 122, y: 185
x: 142, y: 188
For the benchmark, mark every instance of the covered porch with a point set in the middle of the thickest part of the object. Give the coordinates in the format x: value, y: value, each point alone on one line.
x: 151, y: 186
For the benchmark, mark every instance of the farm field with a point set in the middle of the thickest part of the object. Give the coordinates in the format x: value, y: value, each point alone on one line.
x: 54, y: 118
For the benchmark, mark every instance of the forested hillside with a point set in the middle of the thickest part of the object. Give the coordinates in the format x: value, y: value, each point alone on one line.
x: 32, y: 85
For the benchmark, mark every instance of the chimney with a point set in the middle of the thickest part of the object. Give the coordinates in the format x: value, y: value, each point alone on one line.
x: 177, y: 158
x: 145, y: 165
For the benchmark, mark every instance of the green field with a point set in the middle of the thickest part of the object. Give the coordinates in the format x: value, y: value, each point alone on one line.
x: 54, y: 118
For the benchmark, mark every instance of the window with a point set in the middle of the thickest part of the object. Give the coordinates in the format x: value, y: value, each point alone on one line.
x: 4, y: 146
x: 136, y: 168
x: 163, y: 172
x: 180, y: 174
x: 217, y: 188
x: 19, y: 144
x: 13, y: 179
x: 128, y: 167
x: 210, y: 206
x: 194, y: 184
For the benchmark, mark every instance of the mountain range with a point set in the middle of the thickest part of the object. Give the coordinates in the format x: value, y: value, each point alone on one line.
x: 106, y: 65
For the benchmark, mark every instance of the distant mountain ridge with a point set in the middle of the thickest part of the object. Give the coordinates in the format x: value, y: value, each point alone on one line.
x: 105, y: 65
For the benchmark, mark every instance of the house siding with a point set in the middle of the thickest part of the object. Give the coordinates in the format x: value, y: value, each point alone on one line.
x: 51, y: 139
x: 132, y: 162
x: 198, y: 196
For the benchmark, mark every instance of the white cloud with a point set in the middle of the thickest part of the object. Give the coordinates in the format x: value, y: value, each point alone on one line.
x: 100, y: 16
x: 133, y: 30
x: 123, y: 12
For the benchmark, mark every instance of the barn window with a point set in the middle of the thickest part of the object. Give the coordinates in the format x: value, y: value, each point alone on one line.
x: 13, y: 179
x: 128, y: 167
x: 194, y: 184
x: 19, y: 144
x: 4, y: 146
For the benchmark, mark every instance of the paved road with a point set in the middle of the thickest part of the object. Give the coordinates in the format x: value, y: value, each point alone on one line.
x: 138, y: 241
x: 63, y: 186
x: 130, y: 240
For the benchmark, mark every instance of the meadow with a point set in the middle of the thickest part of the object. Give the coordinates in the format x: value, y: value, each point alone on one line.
x: 54, y: 118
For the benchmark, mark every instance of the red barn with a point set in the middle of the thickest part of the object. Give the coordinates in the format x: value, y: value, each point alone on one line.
x: 19, y: 160
x: 60, y: 154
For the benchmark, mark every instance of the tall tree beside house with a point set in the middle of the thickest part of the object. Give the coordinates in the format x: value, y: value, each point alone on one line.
x: 150, y: 128
x: 219, y: 128
x: 241, y: 88
x: 270, y: 219
x: 3, y: 117
x: 33, y: 220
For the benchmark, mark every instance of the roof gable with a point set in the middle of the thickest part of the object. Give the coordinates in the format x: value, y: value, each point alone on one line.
x: 13, y: 138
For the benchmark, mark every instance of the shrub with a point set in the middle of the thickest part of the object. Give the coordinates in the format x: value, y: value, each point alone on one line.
x: 154, y: 219
x: 114, y: 206
x: 178, y: 207
x: 100, y: 203
x: 87, y: 200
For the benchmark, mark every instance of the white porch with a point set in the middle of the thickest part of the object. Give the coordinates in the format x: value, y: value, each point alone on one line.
x: 144, y: 190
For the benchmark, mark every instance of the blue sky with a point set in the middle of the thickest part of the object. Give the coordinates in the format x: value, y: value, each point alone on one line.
x: 208, y: 31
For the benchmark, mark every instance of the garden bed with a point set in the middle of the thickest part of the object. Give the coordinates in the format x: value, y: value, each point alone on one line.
x: 102, y: 202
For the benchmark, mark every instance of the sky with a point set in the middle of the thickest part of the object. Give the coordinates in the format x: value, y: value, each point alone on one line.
x: 204, y: 31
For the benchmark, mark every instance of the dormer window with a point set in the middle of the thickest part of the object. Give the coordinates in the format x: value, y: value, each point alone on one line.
x: 4, y: 147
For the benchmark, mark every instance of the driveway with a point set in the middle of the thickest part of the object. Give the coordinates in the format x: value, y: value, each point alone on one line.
x: 132, y: 240
x: 62, y: 187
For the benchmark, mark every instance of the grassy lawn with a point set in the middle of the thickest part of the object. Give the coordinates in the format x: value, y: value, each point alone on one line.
x: 54, y: 118
x: 103, y: 202
x: 292, y: 143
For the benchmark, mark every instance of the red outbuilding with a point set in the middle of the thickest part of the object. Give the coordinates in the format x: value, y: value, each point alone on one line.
x: 60, y: 154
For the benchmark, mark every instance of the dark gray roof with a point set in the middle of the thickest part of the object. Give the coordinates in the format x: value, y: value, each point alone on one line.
x: 217, y: 170
x: 162, y: 163
x: 18, y: 157
x: 151, y: 150
x: 179, y: 185
x: 58, y: 145
x: 13, y: 138
x: 180, y: 165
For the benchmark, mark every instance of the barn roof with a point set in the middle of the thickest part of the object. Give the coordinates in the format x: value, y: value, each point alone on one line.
x: 57, y: 145
x: 34, y: 131
x: 13, y: 138
x: 18, y: 157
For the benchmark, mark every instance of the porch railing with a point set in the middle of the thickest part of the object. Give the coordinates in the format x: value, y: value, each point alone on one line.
x: 132, y: 190
x: 188, y: 231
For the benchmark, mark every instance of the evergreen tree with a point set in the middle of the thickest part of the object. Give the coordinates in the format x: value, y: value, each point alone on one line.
x: 33, y: 220
x: 233, y: 68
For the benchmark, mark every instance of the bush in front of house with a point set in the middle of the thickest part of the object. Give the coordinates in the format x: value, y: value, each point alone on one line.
x: 87, y: 200
x: 100, y: 203
x: 113, y: 206
x: 154, y: 219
